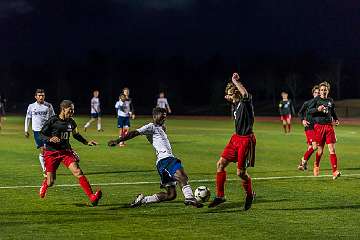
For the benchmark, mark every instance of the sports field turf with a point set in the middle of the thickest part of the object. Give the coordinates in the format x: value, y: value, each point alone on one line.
x: 293, y: 206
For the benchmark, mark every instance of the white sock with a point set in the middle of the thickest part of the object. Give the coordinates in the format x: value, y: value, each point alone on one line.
x: 187, y: 191
x: 42, y: 163
x: 99, y: 126
x: 87, y: 125
x: 150, y: 199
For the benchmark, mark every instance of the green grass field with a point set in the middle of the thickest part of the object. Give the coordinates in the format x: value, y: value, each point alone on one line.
x: 297, y: 206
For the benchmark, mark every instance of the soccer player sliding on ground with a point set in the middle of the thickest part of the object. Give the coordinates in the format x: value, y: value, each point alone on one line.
x: 169, y: 167
x: 323, y: 112
x: 241, y: 147
x: 56, y: 133
x: 308, y: 122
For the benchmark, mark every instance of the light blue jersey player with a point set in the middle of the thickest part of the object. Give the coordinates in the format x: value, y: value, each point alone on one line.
x: 38, y: 113
x: 168, y: 166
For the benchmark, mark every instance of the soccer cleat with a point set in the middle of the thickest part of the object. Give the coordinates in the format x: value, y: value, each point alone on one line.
x: 249, y: 200
x: 217, y: 201
x: 137, y: 201
x: 121, y: 144
x: 336, y: 174
x: 193, y: 202
x: 94, y: 199
x: 85, y: 129
x: 43, y: 190
x: 303, y: 165
x: 316, y: 170
x: 100, y: 130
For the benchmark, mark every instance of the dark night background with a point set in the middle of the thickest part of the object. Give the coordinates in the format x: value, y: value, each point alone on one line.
x: 187, y: 48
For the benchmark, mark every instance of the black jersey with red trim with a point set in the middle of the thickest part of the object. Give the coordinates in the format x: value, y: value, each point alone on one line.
x: 244, y: 116
x: 286, y: 107
x: 327, y: 115
x: 305, y: 115
x: 61, y: 128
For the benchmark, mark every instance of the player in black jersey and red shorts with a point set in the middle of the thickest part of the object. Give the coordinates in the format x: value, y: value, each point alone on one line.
x: 56, y: 133
x: 308, y: 122
x: 323, y: 112
x: 241, y: 147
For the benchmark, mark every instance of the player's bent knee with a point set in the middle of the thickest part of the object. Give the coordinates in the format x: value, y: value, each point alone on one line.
x: 221, y: 164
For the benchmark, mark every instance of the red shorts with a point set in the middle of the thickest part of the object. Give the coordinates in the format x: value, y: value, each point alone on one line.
x: 241, y: 149
x: 310, y: 136
x: 324, y: 133
x: 54, y: 158
x: 285, y: 117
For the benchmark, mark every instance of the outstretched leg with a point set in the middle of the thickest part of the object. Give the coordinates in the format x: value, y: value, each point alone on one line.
x: 169, y: 195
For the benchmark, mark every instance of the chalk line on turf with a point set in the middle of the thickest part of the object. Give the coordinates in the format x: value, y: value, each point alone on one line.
x: 194, y: 181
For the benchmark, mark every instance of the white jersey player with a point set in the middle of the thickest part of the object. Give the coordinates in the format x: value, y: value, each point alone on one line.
x: 95, y: 111
x: 162, y: 102
x: 38, y: 113
x: 124, y: 113
x: 169, y: 168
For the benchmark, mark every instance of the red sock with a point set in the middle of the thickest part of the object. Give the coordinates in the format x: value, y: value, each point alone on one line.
x: 308, y: 153
x: 317, y: 159
x: 284, y: 126
x: 220, y: 183
x: 84, y: 183
x: 289, y: 127
x: 333, y: 160
x: 247, y: 186
x: 44, y: 185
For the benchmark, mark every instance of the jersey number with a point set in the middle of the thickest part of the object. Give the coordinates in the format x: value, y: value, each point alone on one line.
x: 65, y: 135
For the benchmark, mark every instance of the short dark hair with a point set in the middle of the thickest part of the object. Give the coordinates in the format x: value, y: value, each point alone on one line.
x: 65, y: 104
x: 158, y: 110
x: 39, y: 90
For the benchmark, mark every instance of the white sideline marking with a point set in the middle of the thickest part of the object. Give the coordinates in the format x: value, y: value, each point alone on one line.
x: 200, y: 180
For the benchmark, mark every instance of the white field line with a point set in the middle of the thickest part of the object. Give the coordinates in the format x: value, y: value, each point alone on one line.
x: 194, y: 181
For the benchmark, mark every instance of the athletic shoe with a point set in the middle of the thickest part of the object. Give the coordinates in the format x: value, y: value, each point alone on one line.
x: 336, y: 174
x: 43, y: 189
x: 303, y: 165
x: 100, y: 130
x: 94, y: 199
x: 193, y: 202
x: 316, y: 170
x: 84, y: 129
x: 121, y: 144
x: 217, y: 201
x: 137, y: 201
x: 249, y: 200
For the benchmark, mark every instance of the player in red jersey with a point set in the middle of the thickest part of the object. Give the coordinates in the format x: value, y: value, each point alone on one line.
x: 308, y: 122
x: 56, y: 133
x: 286, y: 109
x: 323, y: 112
x: 241, y: 147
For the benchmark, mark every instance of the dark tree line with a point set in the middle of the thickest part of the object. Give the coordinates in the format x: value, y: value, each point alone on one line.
x: 192, y: 86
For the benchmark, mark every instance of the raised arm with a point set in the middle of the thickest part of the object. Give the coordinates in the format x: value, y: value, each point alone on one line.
x: 128, y: 136
x: 236, y: 80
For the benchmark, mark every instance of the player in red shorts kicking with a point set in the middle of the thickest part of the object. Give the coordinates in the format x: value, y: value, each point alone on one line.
x: 307, y: 121
x: 286, y: 109
x: 56, y: 133
x: 323, y: 112
x: 241, y: 147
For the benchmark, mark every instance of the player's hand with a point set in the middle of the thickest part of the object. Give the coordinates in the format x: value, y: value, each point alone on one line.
x: 133, y: 116
x: 112, y: 143
x: 235, y: 77
x: 336, y: 122
x: 27, y: 134
x: 92, y: 143
x: 321, y: 108
x: 305, y: 123
x: 54, y: 139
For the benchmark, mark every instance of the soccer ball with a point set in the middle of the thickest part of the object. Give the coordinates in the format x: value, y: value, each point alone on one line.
x: 202, y: 194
